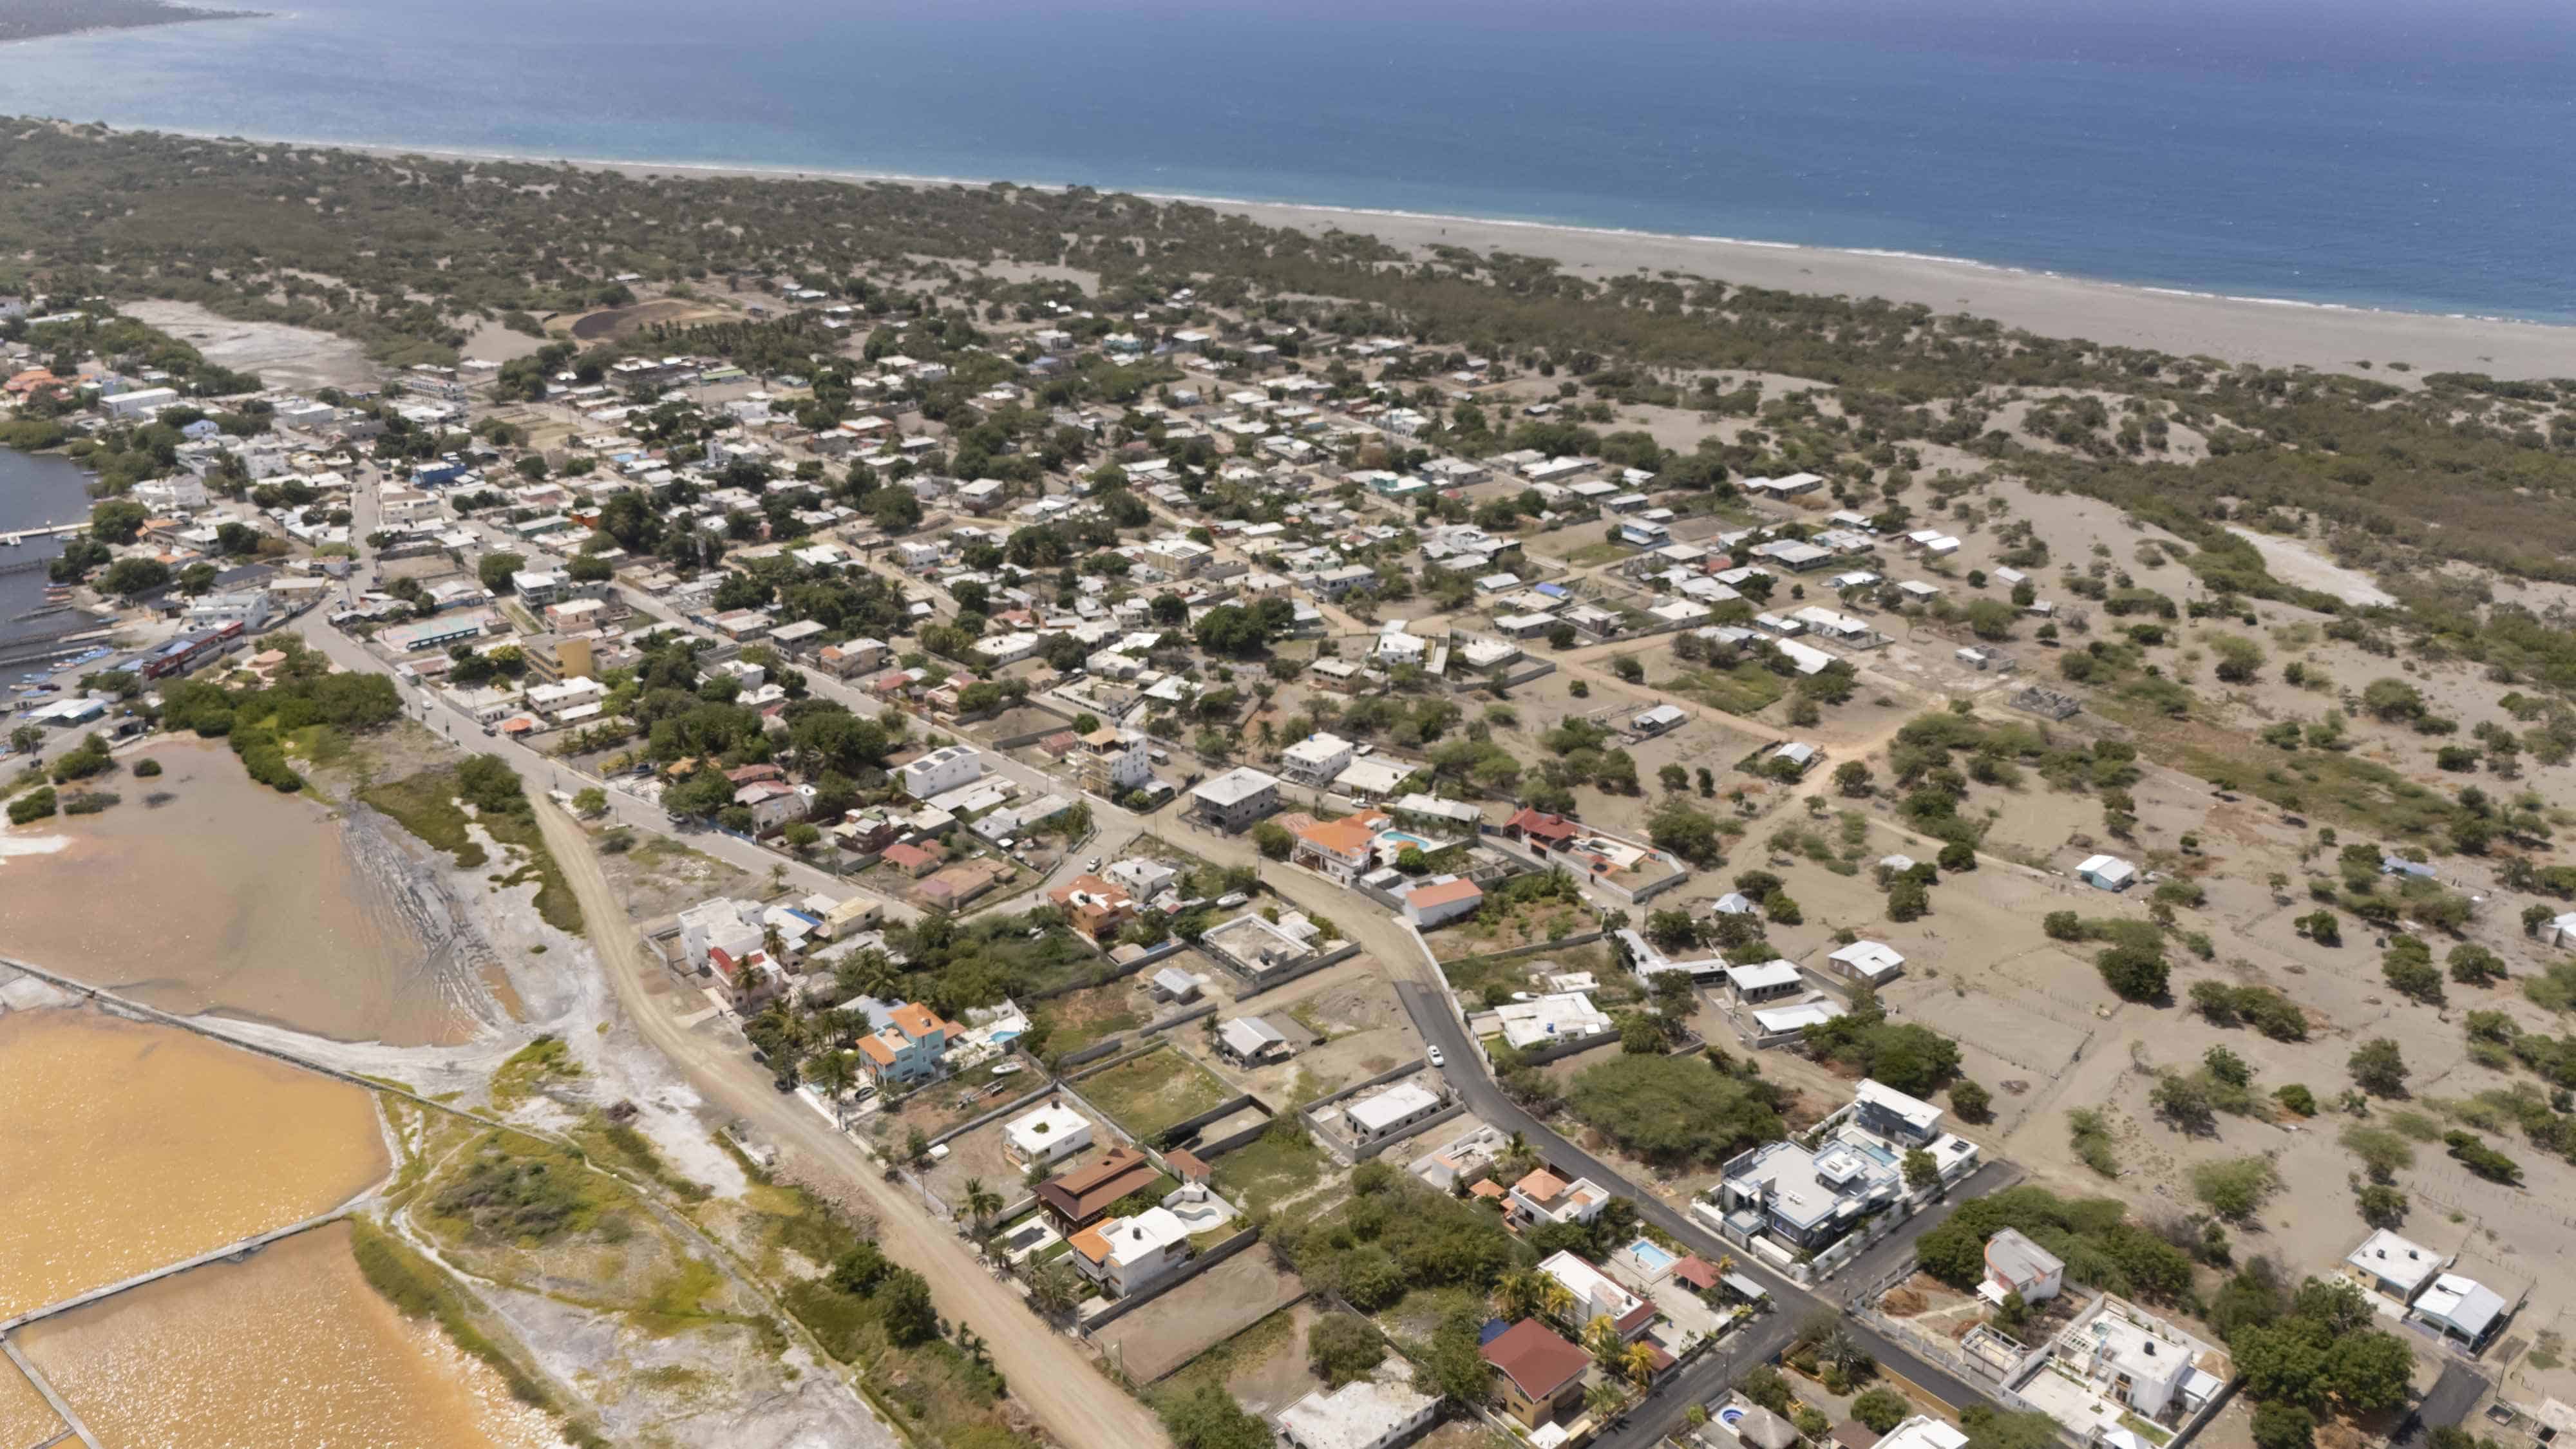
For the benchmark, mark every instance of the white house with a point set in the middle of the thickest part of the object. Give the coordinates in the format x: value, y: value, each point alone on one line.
x: 1596, y: 1296
x: 1873, y: 963
x: 1364, y: 1414
x: 1389, y: 1112
x: 1124, y: 1255
x: 1317, y: 759
x: 940, y: 771
x: 1046, y: 1134
x: 2015, y: 1264
x: 2106, y: 873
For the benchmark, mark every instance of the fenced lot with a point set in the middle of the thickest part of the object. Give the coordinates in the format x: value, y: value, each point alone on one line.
x: 1154, y: 1091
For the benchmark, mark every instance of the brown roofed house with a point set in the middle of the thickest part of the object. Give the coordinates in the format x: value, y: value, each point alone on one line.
x: 1538, y: 1376
x: 1081, y: 1197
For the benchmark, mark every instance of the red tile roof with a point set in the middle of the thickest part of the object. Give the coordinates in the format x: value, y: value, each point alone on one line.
x: 1538, y: 1362
x: 1542, y: 825
x: 1445, y: 894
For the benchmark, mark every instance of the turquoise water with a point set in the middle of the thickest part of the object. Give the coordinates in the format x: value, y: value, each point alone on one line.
x: 1652, y: 1255
x: 2378, y: 152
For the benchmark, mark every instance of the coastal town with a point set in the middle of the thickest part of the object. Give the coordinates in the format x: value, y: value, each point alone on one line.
x: 1315, y: 887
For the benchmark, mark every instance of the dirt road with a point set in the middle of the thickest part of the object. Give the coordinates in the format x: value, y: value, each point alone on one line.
x: 1046, y: 1372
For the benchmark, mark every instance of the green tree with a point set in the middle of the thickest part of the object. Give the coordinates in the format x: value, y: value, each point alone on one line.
x: 1342, y: 1349
x: 2378, y: 1068
x: 493, y: 571
x: 134, y: 575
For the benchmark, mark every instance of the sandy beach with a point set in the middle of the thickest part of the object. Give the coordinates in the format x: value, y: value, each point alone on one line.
x: 2271, y: 332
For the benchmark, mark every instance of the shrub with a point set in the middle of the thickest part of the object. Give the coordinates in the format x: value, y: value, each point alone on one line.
x: 2471, y: 1151
x: 2297, y: 1099
x: 36, y: 804
x: 2378, y: 1068
x: 2235, y: 1188
x: 147, y: 767
x: 2134, y: 973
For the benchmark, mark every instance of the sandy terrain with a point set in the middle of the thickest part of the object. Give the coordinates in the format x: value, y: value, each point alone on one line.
x: 283, y: 356
x: 2238, y: 329
x: 2295, y: 563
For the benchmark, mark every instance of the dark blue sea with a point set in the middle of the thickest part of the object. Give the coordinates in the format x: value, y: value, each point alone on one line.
x: 2415, y: 154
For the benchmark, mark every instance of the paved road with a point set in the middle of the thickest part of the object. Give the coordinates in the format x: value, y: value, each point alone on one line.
x: 2447, y: 1403
x: 1658, y: 1413
x: 1046, y: 1371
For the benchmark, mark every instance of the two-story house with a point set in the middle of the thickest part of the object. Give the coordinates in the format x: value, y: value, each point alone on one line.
x: 1124, y: 1255
x: 1538, y: 1376
x: 907, y: 1046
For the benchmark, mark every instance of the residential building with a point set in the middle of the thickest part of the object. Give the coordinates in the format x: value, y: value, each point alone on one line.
x: 2106, y: 873
x: 1316, y: 759
x: 1889, y: 1113
x: 1392, y: 1111
x: 1125, y: 1255
x: 1596, y: 1296
x: 1871, y: 963
x: 940, y: 771
x: 1236, y: 799
x: 1542, y: 1197
x: 1112, y: 761
x: 2015, y: 1264
x: 1437, y: 902
x: 2465, y: 1310
x: 1538, y: 1376
x: 2135, y: 1358
x: 733, y: 926
x: 1371, y: 1413
x: 1049, y: 1134
x: 1769, y: 981
x: 247, y: 607
x: 1922, y: 1432
x: 1248, y: 1041
x: 1094, y: 907
x: 2393, y: 1267
x: 909, y: 1047
x: 1343, y: 849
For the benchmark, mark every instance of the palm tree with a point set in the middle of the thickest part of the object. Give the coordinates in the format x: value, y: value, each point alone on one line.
x: 1605, y: 1398
x: 981, y: 1203
x: 1638, y: 1363
x: 774, y: 943
x: 1601, y: 1339
x: 1525, y: 1292
x: 832, y: 1072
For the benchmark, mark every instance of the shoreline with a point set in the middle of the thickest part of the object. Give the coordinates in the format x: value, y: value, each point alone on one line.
x: 2268, y: 331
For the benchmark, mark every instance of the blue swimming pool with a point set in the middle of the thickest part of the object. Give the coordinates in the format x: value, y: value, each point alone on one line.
x: 1402, y: 838
x: 1651, y: 1255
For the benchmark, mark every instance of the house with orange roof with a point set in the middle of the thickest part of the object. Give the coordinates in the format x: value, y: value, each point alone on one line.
x: 1093, y: 906
x: 1542, y: 1197
x: 907, y: 1046
x: 1343, y: 849
x: 915, y: 861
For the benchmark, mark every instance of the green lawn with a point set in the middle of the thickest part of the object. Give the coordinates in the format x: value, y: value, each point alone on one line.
x: 1744, y: 689
x: 1277, y: 1165
x: 1154, y: 1091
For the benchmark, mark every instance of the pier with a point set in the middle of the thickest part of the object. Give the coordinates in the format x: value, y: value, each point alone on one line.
x: 16, y: 536
x: 229, y: 1252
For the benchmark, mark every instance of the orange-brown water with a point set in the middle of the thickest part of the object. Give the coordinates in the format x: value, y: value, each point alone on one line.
x: 127, y: 1147
x: 290, y: 1348
x: 24, y: 1417
x: 231, y: 898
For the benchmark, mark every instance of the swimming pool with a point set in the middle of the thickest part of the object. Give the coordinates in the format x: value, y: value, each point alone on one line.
x: 1651, y: 1255
x: 1399, y: 839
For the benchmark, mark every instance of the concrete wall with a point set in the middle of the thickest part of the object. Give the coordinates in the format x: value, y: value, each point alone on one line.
x: 1045, y: 1088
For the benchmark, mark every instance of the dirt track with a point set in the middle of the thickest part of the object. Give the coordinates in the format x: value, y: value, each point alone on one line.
x: 1047, y: 1373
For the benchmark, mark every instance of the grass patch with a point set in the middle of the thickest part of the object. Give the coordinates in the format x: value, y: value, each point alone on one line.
x: 428, y: 805
x: 514, y: 1190
x: 1747, y: 688
x: 618, y: 1145
x: 2348, y: 791
x: 530, y: 1067
x: 1154, y: 1091
x: 418, y: 1289
x: 1277, y: 1165
x: 425, y: 804
x: 2090, y: 1135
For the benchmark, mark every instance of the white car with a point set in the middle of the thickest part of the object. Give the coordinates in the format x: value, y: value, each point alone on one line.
x: 1433, y: 1056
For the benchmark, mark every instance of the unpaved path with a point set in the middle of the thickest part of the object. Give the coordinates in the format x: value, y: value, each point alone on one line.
x: 1046, y: 1372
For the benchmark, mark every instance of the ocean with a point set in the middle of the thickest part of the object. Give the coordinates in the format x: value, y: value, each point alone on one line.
x: 2380, y: 153
x: 34, y: 489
